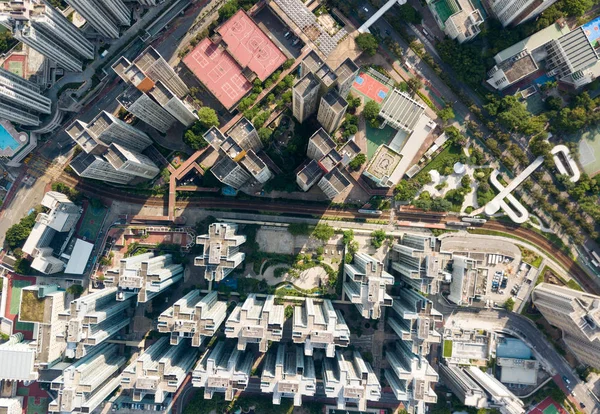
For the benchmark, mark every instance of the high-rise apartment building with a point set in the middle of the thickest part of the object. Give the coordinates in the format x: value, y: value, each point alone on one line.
x: 230, y: 172
x: 514, y: 12
x: 21, y: 100
x: 145, y: 275
x: 305, y: 97
x: 350, y: 380
x: 577, y: 314
x: 319, y: 145
x: 346, y: 75
x: 319, y: 325
x: 332, y: 111
x: 411, y: 377
x: 193, y: 317
x: 131, y: 162
x: 288, y: 373
x: 94, y: 318
x: 256, y: 321
x: 85, y: 384
x: 418, y: 261
x: 106, y: 129
x: 154, y: 66
x: 365, y: 282
x: 105, y: 16
x: 175, y: 106
x: 159, y: 371
x: 47, y: 31
x: 221, y: 251
x: 223, y: 369
x: 245, y: 135
x: 147, y: 109
x: 333, y: 183
x: 463, y: 386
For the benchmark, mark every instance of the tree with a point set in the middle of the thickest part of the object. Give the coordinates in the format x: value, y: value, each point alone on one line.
x: 289, y: 312
x: 368, y: 43
x: 405, y: 190
x: 265, y: 136
x: 446, y: 113
x: 193, y: 136
x: 208, y: 117
x: 356, y: 163
x: 371, y: 110
x: 347, y: 236
x: 409, y: 14
x: 288, y: 63
x: 323, y: 232
x: 377, y: 238
x: 75, y: 290
x: 576, y: 8
x: 228, y: 9
x: 465, y: 59
x: 298, y: 229
x: 509, y: 305
x: 353, y: 102
x: 261, y: 118
x: 415, y: 83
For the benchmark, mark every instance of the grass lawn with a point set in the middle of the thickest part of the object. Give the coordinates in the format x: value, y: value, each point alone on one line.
x: 32, y: 308
x: 447, y: 349
x: 530, y: 257
x: 446, y: 158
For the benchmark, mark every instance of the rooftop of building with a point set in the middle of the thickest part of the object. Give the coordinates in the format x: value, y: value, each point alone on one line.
x: 330, y: 160
x: 223, y: 167
x: 577, y: 49
x: 533, y: 42
x: 335, y: 101
x: 402, y: 110
x: 232, y: 149
x: 147, y: 58
x: 518, y: 67
x: 253, y: 163
x: 312, y: 61
x: 513, y: 348
x: 384, y: 163
x: 241, y: 129
x: 129, y: 96
x: 337, y: 179
x: 306, y: 85
x: 310, y: 174
x: 322, y: 140
x: 346, y: 69
x: 214, y: 137
x: 161, y: 93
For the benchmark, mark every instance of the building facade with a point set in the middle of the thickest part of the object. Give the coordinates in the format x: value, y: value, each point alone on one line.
x: 105, y: 16
x: 221, y: 251
x: 19, y: 96
x: 332, y: 110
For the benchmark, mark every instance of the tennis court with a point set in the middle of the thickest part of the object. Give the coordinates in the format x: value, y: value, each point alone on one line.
x: 588, y: 140
x: 548, y: 406
x: 371, y: 88
x: 92, y: 222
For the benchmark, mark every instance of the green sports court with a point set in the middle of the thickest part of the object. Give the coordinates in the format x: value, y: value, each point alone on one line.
x: 92, y: 222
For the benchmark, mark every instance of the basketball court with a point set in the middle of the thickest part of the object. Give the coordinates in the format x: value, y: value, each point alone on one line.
x: 15, y: 64
x: 370, y: 87
x: 250, y: 46
x: 92, y: 222
x: 548, y: 406
x: 219, y: 72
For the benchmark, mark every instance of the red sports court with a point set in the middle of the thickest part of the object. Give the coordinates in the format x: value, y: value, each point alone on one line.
x: 370, y: 87
x: 219, y: 72
x: 250, y: 46
x: 548, y: 406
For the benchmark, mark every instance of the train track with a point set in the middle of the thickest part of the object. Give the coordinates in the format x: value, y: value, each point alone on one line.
x: 552, y: 249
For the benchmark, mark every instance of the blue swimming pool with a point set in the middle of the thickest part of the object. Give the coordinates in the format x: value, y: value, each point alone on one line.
x: 6, y: 140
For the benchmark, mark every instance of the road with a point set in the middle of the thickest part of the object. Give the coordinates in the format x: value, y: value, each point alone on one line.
x: 526, y: 330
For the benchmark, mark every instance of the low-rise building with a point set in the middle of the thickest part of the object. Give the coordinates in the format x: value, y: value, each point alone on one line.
x: 145, y: 275
x: 464, y: 280
x: 350, y: 380
x: 221, y: 253
x: 288, y: 373
x: 18, y: 360
x: 193, y: 317
x: 94, y: 318
x: 159, y: 370
x: 223, y: 369
x: 88, y: 382
x: 319, y: 325
x: 411, y: 377
x: 256, y: 321
x: 365, y: 282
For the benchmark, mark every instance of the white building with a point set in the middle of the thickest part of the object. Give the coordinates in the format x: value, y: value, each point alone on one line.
x: 319, y: 145
x: 88, y: 382
x: 365, y: 283
x: 17, y: 360
x: 350, y: 380
x: 223, y: 369
x: 18, y: 96
x: 333, y: 183
x: 464, y: 280
x: 159, y: 370
x: 12, y: 405
x: 221, y: 253
x: 94, y: 318
x: 411, y: 377
x: 500, y: 397
x: 47, y: 31
x: 105, y: 16
x: 256, y: 321
x: 514, y: 12
x: 287, y: 373
x: 463, y: 386
x: 462, y: 23
x: 140, y: 104
x: 193, y: 317
x: 145, y: 275
x: 319, y: 325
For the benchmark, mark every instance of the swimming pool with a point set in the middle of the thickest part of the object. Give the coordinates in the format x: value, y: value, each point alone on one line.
x: 7, y: 140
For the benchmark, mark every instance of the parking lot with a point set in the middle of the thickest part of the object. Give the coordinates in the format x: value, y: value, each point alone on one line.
x: 290, y: 45
x: 504, y: 279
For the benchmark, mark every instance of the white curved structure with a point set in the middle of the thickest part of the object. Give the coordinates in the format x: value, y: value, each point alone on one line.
x: 575, y: 174
x: 365, y: 27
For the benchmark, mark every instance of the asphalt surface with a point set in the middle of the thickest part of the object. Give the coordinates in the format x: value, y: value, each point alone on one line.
x: 526, y: 330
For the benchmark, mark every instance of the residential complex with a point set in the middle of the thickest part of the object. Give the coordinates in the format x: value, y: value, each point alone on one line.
x: 20, y: 100
x: 365, y: 282
x: 44, y: 29
x: 577, y: 314
x: 159, y: 371
x: 223, y: 369
x: 105, y: 16
x: 143, y: 106
x: 221, y: 253
x: 319, y: 325
x: 145, y: 275
x: 459, y: 19
x: 193, y: 317
x: 94, y: 318
x: 256, y: 321
x: 350, y: 379
x: 288, y: 373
